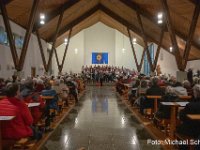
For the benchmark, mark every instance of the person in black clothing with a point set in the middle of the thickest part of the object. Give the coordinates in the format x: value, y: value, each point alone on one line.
x: 190, y: 76
x: 189, y: 127
x: 72, y: 89
x: 153, y: 90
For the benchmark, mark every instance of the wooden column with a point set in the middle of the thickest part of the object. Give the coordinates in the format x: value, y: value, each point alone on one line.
x: 145, y: 41
x: 139, y: 66
x: 191, y: 33
x: 9, y: 34
x: 54, y: 41
x: 41, y: 51
x: 172, y: 35
x: 158, y: 50
x: 65, y: 53
x: 28, y: 33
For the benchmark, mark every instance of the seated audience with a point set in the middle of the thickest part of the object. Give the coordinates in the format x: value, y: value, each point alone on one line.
x: 153, y: 90
x: 19, y: 127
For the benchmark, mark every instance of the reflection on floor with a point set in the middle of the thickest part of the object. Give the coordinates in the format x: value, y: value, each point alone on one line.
x: 100, y: 122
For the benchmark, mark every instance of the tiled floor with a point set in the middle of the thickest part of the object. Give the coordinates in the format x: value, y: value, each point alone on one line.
x: 100, y: 122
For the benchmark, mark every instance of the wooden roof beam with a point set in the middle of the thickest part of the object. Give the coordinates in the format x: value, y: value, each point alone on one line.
x: 136, y: 7
x: 53, y: 14
x: 127, y: 24
x: 9, y: 33
x: 139, y: 66
x: 65, y: 52
x: 191, y: 32
x: 76, y: 21
x: 172, y: 35
x: 29, y: 30
x: 54, y: 41
x: 145, y: 41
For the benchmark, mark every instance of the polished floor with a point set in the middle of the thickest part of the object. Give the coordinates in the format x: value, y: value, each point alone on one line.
x: 99, y: 122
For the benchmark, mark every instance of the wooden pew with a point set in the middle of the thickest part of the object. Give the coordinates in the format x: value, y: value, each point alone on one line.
x: 173, y: 115
x: 186, y: 98
x: 155, y: 97
x: 194, y: 116
x: 185, y: 137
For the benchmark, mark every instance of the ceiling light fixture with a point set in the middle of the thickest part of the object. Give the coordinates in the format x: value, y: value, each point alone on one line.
x: 42, y: 22
x: 134, y: 40
x: 160, y: 16
x: 160, y: 21
x: 171, y: 48
x: 42, y: 16
x: 65, y: 41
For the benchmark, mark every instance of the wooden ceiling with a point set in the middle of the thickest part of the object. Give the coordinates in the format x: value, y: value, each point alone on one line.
x: 117, y: 14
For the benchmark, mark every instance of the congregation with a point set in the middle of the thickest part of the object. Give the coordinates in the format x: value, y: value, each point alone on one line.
x: 34, y: 103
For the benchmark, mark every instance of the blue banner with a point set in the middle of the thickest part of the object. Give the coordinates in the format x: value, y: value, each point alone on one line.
x: 99, y: 58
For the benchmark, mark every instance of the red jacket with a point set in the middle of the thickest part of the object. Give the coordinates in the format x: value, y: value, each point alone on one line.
x: 19, y: 127
x: 35, y: 111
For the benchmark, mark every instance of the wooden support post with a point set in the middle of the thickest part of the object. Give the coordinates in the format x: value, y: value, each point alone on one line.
x: 41, y: 51
x: 191, y: 33
x: 9, y: 33
x: 54, y: 41
x: 145, y: 41
x: 158, y: 50
x: 172, y: 35
x: 139, y: 66
x: 65, y: 53
x: 28, y: 33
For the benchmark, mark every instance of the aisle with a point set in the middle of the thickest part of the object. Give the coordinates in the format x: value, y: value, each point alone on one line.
x: 100, y: 122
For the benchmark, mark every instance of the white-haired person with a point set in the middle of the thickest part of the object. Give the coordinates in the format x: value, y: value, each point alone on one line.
x: 196, y: 89
x: 188, y: 87
x: 72, y: 88
x: 39, y: 86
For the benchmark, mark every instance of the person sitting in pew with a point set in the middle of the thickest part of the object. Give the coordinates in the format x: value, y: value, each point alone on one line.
x: 179, y: 90
x: 188, y: 87
x: 189, y: 127
x: 30, y: 96
x: 196, y: 89
x: 142, y: 89
x: 19, y: 127
x: 153, y: 90
x: 39, y: 86
x: 50, y: 104
x: 133, y: 91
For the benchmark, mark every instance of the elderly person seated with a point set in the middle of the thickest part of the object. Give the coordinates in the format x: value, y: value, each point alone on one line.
x: 133, y: 91
x: 188, y: 87
x: 177, y: 89
x: 153, y: 90
x: 196, y: 89
x: 50, y: 104
x: 73, y: 88
x: 39, y: 86
x: 29, y: 95
x: 188, y: 126
x: 19, y: 127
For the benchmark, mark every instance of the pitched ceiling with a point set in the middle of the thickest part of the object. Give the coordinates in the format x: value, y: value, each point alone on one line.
x: 117, y: 14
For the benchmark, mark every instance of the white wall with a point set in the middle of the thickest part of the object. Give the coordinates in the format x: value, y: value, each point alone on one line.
x: 126, y: 59
x: 166, y: 61
x: 33, y: 58
x: 195, y: 65
x: 73, y: 62
x: 99, y: 38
